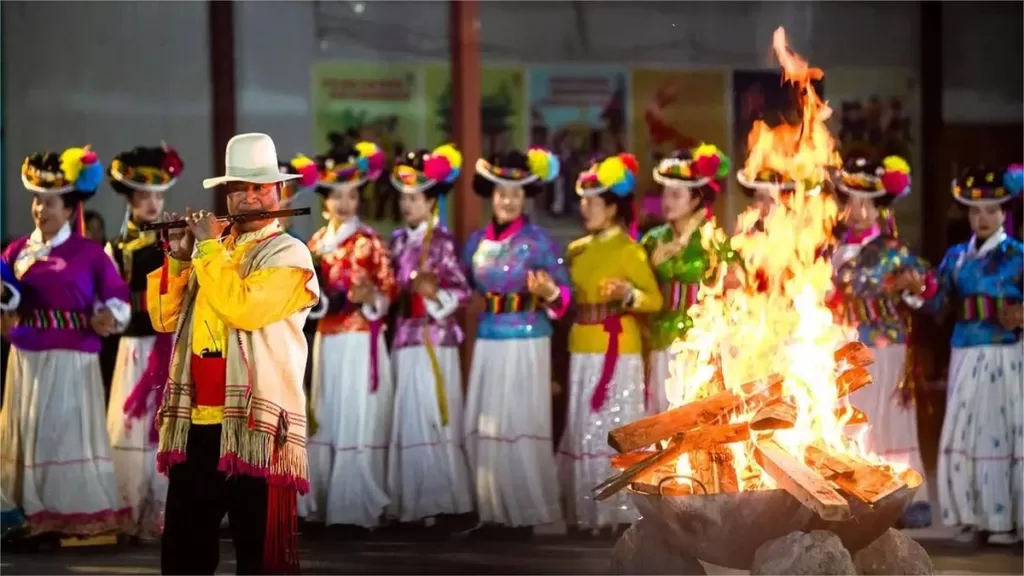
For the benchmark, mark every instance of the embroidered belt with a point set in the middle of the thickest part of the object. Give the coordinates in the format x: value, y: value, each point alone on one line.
x: 54, y: 320
x: 610, y: 317
x: 679, y: 295
x: 981, y: 308
x: 872, y: 310
x: 139, y: 302
x: 511, y: 302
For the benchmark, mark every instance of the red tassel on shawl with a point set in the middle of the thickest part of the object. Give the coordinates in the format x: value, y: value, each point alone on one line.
x: 281, y: 540
x: 81, y: 219
x: 149, y: 390
x: 165, y: 275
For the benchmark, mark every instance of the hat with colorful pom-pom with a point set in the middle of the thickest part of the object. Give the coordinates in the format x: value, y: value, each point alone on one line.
x: 76, y: 170
x: 529, y: 170
x: 979, y: 185
x: 145, y: 168
x: 693, y: 168
x: 616, y: 174
x: 883, y: 182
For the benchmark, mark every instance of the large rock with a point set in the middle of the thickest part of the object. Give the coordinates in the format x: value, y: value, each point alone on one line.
x: 817, y: 552
x: 642, y: 550
x: 893, y: 553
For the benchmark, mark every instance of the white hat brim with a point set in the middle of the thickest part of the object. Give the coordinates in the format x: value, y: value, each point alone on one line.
x: 258, y: 179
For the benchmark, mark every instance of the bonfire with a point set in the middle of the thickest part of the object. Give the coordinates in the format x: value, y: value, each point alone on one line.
x: 760, y: 382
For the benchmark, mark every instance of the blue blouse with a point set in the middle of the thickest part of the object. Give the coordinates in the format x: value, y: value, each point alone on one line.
x: 977, y: 282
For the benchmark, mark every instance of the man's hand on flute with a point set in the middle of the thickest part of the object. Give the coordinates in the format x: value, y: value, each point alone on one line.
x: 180, y: 240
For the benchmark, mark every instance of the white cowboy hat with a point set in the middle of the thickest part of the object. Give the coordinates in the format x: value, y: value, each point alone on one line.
x: 250, y: 158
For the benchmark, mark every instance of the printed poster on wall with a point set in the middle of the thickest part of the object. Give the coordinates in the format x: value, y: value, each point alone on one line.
x: 673, y: 110
x: 577, y: 113
x: 761, y: 95
x: 876, y: 111
x: 501, y: 107
x: 382, y: 103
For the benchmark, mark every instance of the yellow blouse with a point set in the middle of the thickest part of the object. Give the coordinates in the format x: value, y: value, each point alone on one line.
x: 610, y: 254
x: 225, y: 298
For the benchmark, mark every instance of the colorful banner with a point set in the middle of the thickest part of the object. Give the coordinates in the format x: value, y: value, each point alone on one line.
x: 674, y: 110
x: 578, y: 113
x: 379, y: 102
x: 876, y: 111
x: 760, y: 95
x: 502, y: 107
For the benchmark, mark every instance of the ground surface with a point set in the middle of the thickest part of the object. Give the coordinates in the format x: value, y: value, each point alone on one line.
x: 543, y: 555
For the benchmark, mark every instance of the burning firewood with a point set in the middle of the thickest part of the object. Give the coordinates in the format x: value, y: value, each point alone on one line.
x: 801, y: 482
x: 854, y: 476
x: 778, y: 415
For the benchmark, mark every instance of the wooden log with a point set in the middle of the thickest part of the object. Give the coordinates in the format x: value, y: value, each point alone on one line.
x: 778, y: 415
x: 801, y: 482
x: 699, y: 439
x: 852, y: 380
x: 825, y: 464
x: 646, y: 431
x: 855, y: 416
x: 855, y: 355
x: 854, y: 476
x: 629, y: 459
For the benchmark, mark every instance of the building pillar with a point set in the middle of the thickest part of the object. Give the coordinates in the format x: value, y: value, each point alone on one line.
x: 464, y: 28
x: 222, y: 84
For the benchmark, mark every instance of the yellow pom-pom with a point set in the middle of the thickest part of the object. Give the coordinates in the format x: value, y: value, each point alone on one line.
x: 537, y: 160
x: 610, y: 171
x: 705, y: 150
x: 451, y: 153
x: 896, y: 164
x: 366, y: 149
x: 71, y: 163
x: 301, y: 161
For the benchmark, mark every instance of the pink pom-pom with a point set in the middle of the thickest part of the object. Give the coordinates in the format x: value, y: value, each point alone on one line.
x: 895, y: 183
x: 89, y: 158
x: 707, y: 166
x: 437, y: 168
x: 309, y: 175
x: 172, y: 163
x: 376, y: 161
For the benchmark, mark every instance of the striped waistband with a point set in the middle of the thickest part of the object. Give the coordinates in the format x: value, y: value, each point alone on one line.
x: 139, y: 301
x: 597, y: 313
x: 54, y: 320
x: 981, y: 308
x: 679, y: 295
x: 511, y: 302
x: 872, y: 310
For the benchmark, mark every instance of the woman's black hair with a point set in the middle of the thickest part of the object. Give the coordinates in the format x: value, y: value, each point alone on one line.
x: 415, y: 159
x: 134, y: 158
x: 514, y: 159
x: 626, y: 213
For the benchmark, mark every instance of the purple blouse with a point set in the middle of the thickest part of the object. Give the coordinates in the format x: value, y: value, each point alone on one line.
x: 406, y: 245
x: 59, y: 292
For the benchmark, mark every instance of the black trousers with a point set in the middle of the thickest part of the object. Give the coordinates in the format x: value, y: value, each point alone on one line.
x: 198, y: 496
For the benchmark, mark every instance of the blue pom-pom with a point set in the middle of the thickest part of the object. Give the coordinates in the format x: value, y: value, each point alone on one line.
x: 625, y: 186
x: 89, y: 178
x: 1013, y: 180
x: 8, y: 276
x: 363, y: 164
x: 554, y: 168
x: 453, y: 175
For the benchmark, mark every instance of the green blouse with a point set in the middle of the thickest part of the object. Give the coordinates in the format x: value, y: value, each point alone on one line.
x: 679, y: 278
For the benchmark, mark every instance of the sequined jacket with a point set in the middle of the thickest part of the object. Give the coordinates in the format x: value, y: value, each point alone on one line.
x: 977, y: 282
x: 497, y: 266
x: 862, y: 297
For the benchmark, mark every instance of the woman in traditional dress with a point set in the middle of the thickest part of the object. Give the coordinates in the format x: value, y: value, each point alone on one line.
x: 611, y: 281
x: 982, y: 445
x: 519, y: 270
x: 351, y: 393
x: 681, y: 262
x: 878, y: 281
x: 427, y: 472
x: 56, y: 463
x: 141, y: 176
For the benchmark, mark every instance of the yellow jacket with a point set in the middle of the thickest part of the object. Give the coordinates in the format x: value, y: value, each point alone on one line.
x: 610, y: 254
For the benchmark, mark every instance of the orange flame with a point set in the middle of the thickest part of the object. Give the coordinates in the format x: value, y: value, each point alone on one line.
x: 782, y: 326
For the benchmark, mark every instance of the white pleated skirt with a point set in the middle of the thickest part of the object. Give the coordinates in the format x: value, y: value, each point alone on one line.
x: 891, y: 431
x: 348, y: 452
x: 583, y: 452
x: 141, y: 487
x: 54, y: 447
x: 982, y: 445
x: 427, y: 471
x: 508, y: 432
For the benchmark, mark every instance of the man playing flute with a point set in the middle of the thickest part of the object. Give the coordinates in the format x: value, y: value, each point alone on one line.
x: 233, y: 417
